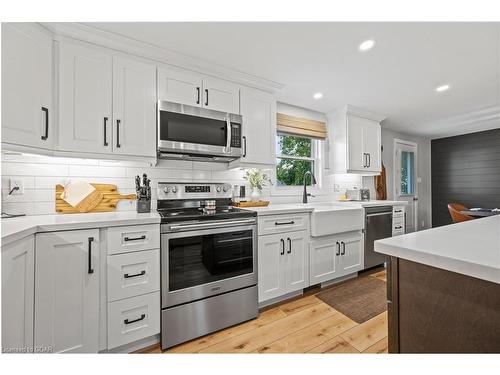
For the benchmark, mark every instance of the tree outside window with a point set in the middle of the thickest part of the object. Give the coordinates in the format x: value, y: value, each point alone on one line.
x: 294, y: 158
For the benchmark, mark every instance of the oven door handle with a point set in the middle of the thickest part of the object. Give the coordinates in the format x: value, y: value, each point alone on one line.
x: 219, y: 224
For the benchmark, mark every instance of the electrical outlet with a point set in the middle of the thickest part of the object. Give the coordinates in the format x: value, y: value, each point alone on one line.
x: 16, y: 182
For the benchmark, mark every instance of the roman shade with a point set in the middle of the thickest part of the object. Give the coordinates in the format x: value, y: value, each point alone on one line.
x: 301, y: 127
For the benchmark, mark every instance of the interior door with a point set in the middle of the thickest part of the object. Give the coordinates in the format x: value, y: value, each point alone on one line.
x: 297, y: 258
x: 271, y: 266
x: 221, y: 95
x: 85, y: 98
x: 405, y: 180
x: 179, y: 86
x: 67, y: 291
x: 134, y: 107
x: 259, y: 126
x: 26, y: 86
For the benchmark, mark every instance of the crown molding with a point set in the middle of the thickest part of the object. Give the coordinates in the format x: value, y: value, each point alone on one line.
x: 480, y: 120
x: 138, y: 48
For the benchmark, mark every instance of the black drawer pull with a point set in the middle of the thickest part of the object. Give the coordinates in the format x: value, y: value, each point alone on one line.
x: 143, y: 237
x: 284, y: 222
x: 126, y: 321
x: 399, y: 227
x: 397, y: 211
x: 127, y: 276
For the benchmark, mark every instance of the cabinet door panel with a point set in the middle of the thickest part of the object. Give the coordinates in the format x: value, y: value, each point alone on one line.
x: 271, y: 267
x: 134, y: 107
x: 67, y: 295
x: 297, y: 257
x: 372, y: 145
x: 259, y: 127
x: 85, y: 79
x: 352, y: 255
x: 18, y: 287
x: 356, y: 157
x: 221, y: 95
x: 179, y: 86
x: 323, y: 259
x: 26, y: 85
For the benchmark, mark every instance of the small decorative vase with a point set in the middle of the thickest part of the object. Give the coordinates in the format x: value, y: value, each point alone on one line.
x: 255, y: 196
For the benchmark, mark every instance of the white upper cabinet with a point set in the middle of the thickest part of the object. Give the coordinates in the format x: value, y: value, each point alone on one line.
x: 27, y: 110
x: 355, y: 141
x: 221, y: 95
x: 134, y: 107
x: 179, y: 86
x: 67, y: 272
x: 258, y: 110
x: 85, y: 99
x: 186, y: 87
x: 18, y: 290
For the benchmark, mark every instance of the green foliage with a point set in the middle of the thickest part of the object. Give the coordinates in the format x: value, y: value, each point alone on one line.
x: 290, y: 172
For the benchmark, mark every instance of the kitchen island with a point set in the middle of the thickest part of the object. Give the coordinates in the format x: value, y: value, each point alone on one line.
x: 444, y: 289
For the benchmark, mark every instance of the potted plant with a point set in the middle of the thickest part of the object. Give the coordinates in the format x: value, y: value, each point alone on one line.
x: 257, y: 180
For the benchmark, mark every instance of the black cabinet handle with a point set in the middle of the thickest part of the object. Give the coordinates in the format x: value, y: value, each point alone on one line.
x: 143, y: 237
x: 337, y: 245
x: 369, y: 160
x: 197, y: 95
x: 127, y: 276
x: 245, y: 146
x: 282, y: 241
x: 289, y: 245
x: 399, y: 227
x: 118, y: 145
x: 284, y: 222
x: 105, y: 132
x: 90, y: 270
x: 343, y: 248
x: 364, y: 160
x: 206, y: 96
x: 46, y: 136
x: 126, y: 321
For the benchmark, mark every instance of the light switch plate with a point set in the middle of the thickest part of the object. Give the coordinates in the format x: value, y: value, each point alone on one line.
x: 13, y: 182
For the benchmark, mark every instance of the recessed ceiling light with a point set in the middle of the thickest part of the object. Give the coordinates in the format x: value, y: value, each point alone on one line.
x: 366, y: 45
x: 442, y: 88
x: 318, y: 95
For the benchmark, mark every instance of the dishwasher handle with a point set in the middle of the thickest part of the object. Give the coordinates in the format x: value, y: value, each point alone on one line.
x: 379, y: 214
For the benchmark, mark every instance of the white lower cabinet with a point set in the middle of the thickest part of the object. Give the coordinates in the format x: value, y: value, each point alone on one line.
x: 335, y: 256
x: 283, y: 264
x: 18, y: 288
x: 67, y: 281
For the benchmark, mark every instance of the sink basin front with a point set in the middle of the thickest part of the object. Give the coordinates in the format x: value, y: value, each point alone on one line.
x: 327, y: 219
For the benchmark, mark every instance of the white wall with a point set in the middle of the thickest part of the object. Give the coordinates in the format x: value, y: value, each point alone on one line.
x: 424, y: 172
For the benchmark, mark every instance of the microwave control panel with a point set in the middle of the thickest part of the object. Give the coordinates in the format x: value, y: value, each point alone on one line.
x: 236, y: 135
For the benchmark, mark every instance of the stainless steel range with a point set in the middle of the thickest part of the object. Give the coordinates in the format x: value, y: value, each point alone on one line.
x: 208, y: 261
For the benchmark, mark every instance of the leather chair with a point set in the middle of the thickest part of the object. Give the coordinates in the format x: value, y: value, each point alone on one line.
x: 456, y: 215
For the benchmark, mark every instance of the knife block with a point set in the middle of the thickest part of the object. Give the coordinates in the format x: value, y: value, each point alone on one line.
x: 143, y: 205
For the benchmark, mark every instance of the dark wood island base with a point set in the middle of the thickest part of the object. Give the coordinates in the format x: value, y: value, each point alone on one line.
x: 432, y: 310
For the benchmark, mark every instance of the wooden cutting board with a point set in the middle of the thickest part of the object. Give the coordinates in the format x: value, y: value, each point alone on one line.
x: 110, y: 198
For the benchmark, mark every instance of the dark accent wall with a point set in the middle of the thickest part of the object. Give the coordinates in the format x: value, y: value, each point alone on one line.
x: 466, y: 170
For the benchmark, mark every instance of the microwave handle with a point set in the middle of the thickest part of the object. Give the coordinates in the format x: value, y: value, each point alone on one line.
x: 228, y: 133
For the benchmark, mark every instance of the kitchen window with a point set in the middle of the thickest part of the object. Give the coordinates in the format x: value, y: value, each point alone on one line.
x: 295, y: 156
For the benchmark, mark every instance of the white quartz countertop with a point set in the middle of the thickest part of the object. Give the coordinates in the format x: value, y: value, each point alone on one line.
x: 284, y: 208
x: 470, y: 248
x: 18, y: 227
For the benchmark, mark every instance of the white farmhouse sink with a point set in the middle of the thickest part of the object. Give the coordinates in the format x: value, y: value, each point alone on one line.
x: 331, y: 218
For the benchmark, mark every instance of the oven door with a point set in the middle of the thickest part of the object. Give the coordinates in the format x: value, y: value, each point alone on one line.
x: 191, y: 130
x: 203, y: 263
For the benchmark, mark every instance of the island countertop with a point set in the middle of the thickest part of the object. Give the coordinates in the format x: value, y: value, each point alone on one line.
x: 470, y: 248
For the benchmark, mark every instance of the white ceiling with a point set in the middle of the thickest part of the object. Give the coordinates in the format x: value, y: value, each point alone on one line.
x: 396, y: 78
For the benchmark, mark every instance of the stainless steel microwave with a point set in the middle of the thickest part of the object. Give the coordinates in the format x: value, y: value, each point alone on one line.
x: 191, y: 133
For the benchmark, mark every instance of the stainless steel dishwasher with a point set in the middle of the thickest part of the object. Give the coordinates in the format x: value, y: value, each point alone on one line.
x: 378, y: 225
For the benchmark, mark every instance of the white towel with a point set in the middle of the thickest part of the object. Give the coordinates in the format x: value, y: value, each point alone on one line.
x: 75, y: 191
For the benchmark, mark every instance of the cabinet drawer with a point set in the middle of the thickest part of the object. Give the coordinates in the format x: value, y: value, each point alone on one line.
x: 398, y: 211
x: 133, y: 238
x: 133, y: 274
x: 398, y: 226
x: 133, y: 319
x: 282, y: 223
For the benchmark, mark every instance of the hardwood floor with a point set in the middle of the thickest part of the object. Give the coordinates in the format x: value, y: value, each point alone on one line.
x: 303, y: 325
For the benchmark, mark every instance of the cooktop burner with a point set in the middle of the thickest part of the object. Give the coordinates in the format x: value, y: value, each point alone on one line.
x: 199, y: 213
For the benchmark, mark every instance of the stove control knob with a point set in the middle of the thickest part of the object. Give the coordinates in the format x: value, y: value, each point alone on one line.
x: 166, y: 190
x: 225, y: 188
x: 218, y: 189
x: 174, y: 189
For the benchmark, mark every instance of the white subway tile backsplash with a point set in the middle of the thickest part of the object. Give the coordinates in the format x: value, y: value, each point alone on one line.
x: 32, y: 169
